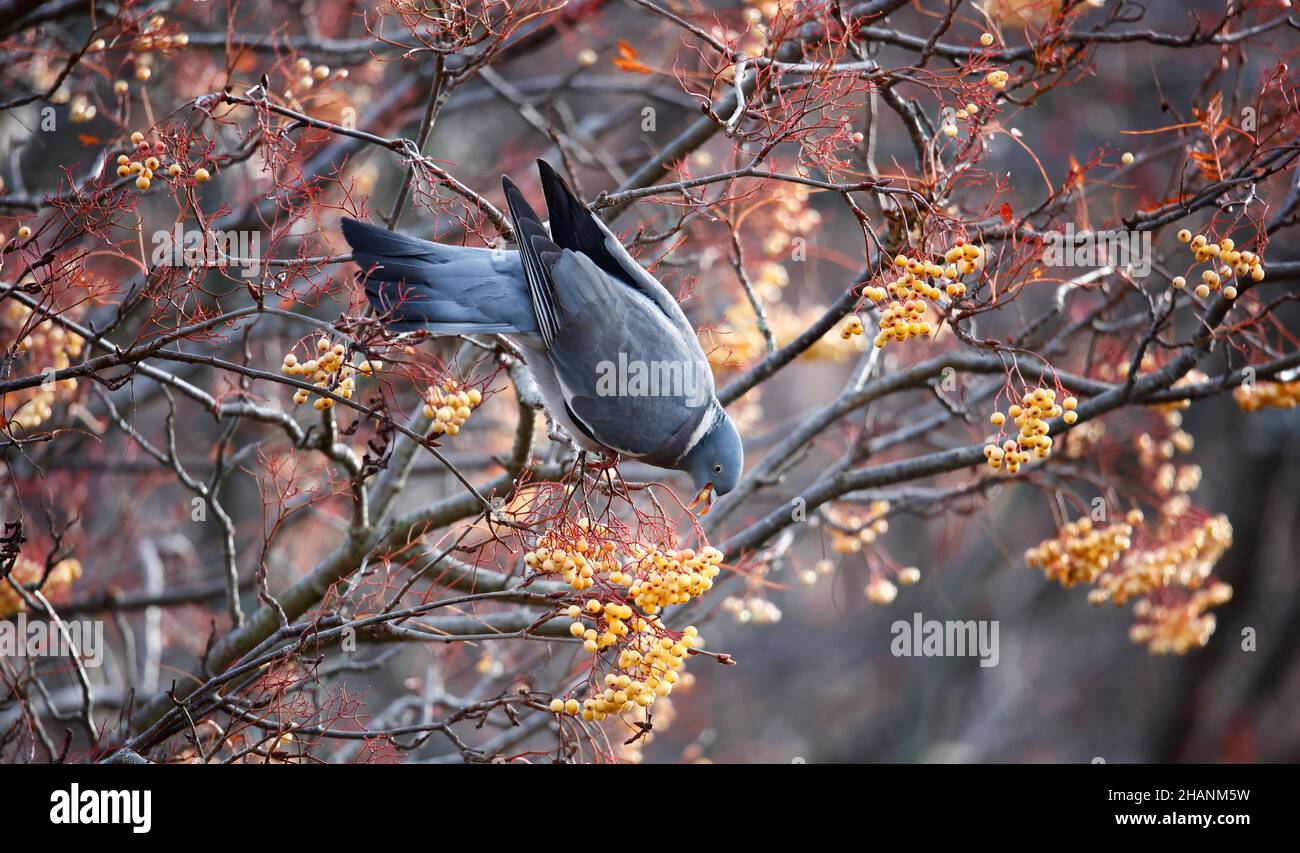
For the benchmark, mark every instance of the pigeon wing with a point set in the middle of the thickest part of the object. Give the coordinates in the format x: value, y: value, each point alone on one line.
x: 628, y: 378
x: 575, y: 227
x: 528, y: 228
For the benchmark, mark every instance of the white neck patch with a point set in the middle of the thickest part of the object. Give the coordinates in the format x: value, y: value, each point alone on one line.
x: 702, y: 429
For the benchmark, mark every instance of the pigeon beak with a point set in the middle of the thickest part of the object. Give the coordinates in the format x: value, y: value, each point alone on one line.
x: 704, y: 497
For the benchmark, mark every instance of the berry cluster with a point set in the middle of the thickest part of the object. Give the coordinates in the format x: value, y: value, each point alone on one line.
x: 612, y: 615
x: 1179, y: 627
x: 449, y: 406
x: 665, y: 578
x: 1164, y: 567
x: 650, y: 656
x: 1184, y: 557
x: 329, y: 370
x: 155, y: 37
x: 851, y: 527
x: 1032, y: 441
x: 649, y: 666
x: 580, y: 559
x: 149, y: 166
x: 809, y: 577
x: 751, y: 609
x: 882, y: 590
x: 1167, y: 578
x: 1230, y: 262
x: 997, y: 79
x: 904, y: 316
x: 949, y: 128
x: 1156, y: 459
x: 311, y: 74
x: 1259, y: 395
x: 852, y: 327
x: 1080, y: 552
x: 80, y: 109
x: 46, y: 344
x: 28, y: 572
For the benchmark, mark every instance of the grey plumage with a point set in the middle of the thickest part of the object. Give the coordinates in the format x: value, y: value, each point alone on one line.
x: 443, y: 289
x: 586, y: 314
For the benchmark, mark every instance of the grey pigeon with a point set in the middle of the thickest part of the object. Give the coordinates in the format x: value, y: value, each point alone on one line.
x: 617, y: 362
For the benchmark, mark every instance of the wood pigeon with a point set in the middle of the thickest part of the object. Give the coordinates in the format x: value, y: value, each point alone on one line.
x: 616, y: 360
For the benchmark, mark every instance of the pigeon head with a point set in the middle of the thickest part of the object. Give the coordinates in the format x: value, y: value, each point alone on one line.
x: 714, y: 461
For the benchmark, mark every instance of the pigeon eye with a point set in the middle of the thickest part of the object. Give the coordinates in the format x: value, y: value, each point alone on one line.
x: 717, y: 469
